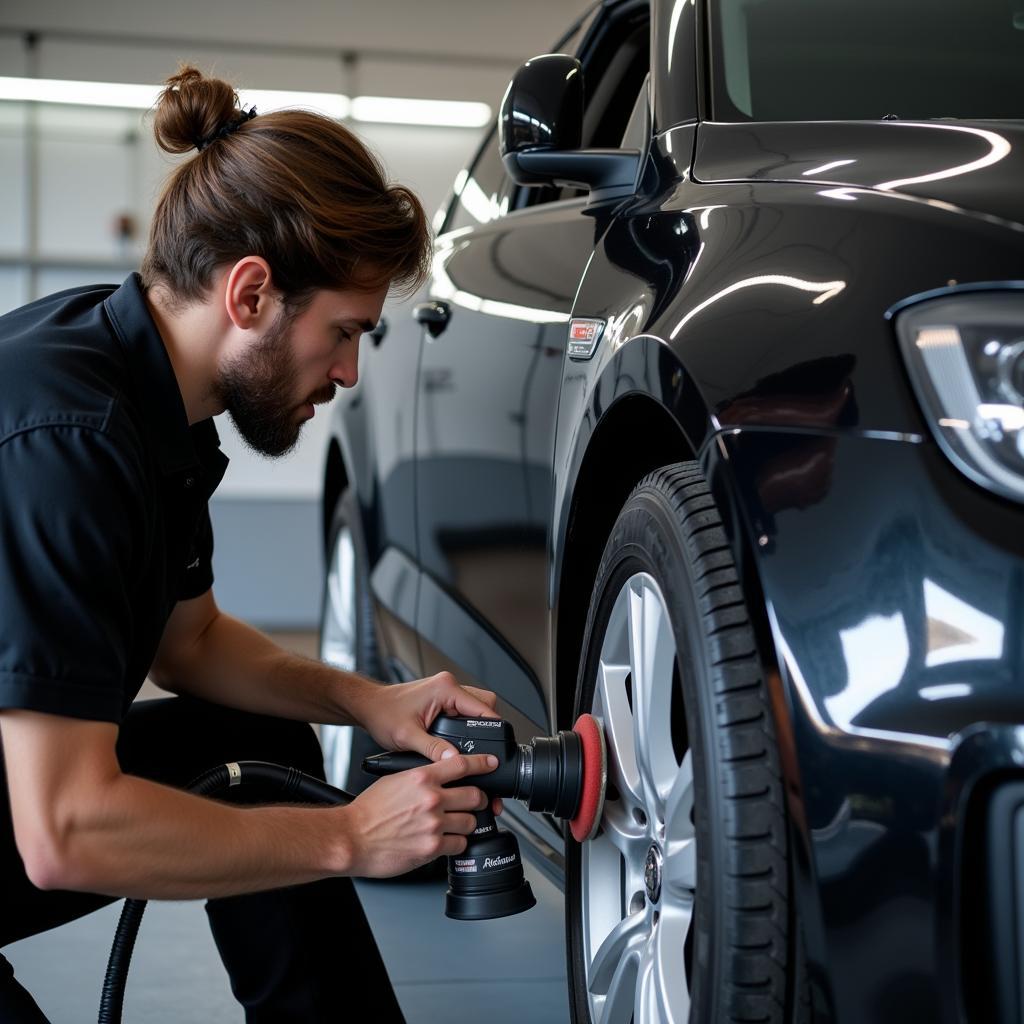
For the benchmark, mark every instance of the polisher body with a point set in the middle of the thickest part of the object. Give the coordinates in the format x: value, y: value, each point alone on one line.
x: 564, y: 775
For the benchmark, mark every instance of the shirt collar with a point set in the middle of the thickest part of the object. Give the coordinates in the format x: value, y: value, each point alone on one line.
x: 159, y: 398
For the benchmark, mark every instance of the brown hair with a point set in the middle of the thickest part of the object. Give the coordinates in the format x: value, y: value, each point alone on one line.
x: 297, y: 188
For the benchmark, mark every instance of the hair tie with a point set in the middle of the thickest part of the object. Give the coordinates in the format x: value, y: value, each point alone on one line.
x: 226, y: 129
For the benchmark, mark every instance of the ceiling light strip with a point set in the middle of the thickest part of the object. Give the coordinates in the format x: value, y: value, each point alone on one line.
x: 367, y: 109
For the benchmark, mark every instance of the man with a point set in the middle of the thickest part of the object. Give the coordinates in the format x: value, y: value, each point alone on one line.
x: 271, y: 251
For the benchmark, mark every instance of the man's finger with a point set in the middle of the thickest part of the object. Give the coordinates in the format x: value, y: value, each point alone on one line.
x: 462, y: 765
x: 459, y: 823
x: 464, y: 798
x: 435, y: 748
x: 489, y: 697
x: 468, y: 704
x: 452, y: 845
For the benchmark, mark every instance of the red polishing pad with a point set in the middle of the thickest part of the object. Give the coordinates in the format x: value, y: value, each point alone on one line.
x: 595, y: 778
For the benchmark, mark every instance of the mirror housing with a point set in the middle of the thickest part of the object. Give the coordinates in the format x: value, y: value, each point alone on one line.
x: 541, y: 130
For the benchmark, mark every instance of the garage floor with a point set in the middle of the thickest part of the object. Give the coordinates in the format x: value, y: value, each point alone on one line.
x: 510, y: 970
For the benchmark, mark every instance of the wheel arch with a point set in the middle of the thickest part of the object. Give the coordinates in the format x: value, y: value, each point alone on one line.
x: 635, y: 435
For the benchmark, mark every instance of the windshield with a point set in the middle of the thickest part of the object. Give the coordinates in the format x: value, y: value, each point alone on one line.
x: 809, y: 60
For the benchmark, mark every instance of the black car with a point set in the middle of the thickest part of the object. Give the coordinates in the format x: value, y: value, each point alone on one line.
x: 711, y: 423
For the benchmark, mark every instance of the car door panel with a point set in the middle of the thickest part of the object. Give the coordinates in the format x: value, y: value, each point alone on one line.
x: 484, y: 495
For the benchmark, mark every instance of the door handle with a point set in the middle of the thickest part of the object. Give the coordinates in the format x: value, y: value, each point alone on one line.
x: 379, y: 333
x: 433, y: 315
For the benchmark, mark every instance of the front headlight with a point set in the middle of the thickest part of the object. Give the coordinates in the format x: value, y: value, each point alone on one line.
x: 965, y: 354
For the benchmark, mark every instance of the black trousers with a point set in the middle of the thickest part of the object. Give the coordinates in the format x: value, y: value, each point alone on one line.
x: 302, y: 953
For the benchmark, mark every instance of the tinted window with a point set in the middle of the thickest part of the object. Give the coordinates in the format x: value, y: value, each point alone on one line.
x: 480, y: 194
x: 806, y: 60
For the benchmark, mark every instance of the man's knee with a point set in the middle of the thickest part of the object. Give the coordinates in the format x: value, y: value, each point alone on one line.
x: 151, y: 740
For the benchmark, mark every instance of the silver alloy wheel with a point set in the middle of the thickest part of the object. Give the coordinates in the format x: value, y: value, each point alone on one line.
x: 639, y: 875
x: 338, y: 648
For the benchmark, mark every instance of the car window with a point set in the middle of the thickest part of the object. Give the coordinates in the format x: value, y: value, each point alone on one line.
x: 808, y: 60
x: 636, y: 134
x: 481, y: 193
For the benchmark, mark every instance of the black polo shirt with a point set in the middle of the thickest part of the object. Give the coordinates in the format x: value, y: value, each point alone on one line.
x: 104, y: 486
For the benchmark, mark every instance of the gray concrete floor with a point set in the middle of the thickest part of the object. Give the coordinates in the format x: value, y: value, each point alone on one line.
x: 506, y: 971
x: 509, y: 971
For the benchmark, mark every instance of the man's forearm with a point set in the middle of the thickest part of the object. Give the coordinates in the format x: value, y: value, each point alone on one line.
x: 240, y: 667
x: 141, y: 839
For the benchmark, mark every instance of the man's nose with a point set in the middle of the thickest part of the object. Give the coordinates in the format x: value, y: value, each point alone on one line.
x: 346, y: 371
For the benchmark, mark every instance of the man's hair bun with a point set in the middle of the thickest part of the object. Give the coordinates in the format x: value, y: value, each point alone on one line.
x: 192, y: 109
x: 294, y: 187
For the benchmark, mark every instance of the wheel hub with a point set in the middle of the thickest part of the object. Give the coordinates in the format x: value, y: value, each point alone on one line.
x: 652, y: 873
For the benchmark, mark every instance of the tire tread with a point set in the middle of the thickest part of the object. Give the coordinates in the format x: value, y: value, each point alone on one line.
x: 755, y: 980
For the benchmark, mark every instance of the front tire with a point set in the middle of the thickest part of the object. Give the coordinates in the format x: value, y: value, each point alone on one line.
x: 678, y: 909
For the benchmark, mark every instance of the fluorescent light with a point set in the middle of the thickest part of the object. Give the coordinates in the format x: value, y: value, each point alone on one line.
x: 371, y: 109
x: 143, y: 97
x: 90, y: 94
x: 447, y: 113
x: 332, y: 104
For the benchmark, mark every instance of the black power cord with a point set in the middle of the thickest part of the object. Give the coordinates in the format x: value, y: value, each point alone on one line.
x: 287, y: 785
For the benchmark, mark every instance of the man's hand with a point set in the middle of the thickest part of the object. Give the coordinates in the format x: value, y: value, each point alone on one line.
x: 398, y: 716
x: 403, y: 821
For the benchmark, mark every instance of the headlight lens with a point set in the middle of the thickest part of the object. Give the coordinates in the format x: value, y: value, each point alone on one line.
x: 965, y: 354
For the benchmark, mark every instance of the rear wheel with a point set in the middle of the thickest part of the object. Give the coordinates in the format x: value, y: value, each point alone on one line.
x: 347, y: 641
x: 678, y: 909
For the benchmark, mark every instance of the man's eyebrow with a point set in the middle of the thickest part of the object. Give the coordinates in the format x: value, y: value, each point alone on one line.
x: 366, y: 325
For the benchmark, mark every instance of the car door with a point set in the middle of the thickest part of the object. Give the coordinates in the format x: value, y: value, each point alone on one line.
x: 506, y: 272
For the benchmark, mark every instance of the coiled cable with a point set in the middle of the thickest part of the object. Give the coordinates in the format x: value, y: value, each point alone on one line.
x: 287, y: 785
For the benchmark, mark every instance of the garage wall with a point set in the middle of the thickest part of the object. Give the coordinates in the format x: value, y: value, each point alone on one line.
x: 79, y: 184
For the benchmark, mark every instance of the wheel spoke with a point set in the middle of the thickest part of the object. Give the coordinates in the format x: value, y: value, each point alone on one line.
x: 680, y: 837
x: 624, y: 942
x: 618, y: 1004
x: 624, y: 832
x: 618, y: 731
x: 652, y: 656
x: 338, y: 637
x: 670, y: 988
x: 645, y: 1002
x: 680, y: 868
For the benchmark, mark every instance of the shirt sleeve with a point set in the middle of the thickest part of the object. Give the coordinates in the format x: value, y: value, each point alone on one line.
x: 198, y: 576
x: 70, y: 515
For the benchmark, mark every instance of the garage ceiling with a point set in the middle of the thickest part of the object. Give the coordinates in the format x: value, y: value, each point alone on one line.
x: 441, y: 49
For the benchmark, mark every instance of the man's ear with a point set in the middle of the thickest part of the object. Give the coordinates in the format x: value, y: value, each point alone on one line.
x: 249, y: 297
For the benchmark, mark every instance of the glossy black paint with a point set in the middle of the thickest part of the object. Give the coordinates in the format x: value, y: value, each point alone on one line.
x: 484, y: 494
x: 747, y: 288
x: 973, y: 166
x: 543, y: 106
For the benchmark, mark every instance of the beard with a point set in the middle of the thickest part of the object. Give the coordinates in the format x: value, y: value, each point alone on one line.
x: 258, y: 389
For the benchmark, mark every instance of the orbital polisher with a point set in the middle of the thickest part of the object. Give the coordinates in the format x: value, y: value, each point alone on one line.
x: 563, y: 775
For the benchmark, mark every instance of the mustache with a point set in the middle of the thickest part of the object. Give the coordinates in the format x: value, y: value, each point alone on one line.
x: 324, y: 395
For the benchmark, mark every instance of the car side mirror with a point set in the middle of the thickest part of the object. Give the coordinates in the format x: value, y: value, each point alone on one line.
x: 541, y: 129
